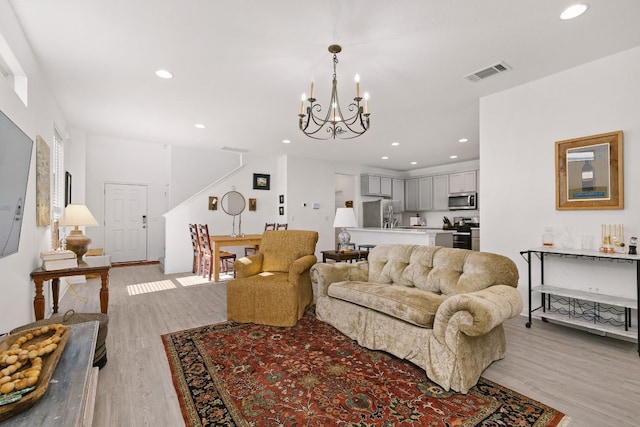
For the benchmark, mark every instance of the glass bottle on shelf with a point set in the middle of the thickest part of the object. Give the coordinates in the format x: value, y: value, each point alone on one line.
x: 547, y: 237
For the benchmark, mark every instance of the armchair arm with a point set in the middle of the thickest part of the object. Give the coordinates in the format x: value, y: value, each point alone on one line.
x: 326, y: 274
x: 248, y: 266
x: 301, y: 265
x: 475, y: 313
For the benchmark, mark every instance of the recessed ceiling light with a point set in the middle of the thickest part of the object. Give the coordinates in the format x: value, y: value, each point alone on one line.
x: 395, y: 144
x: 199, y: 125
x: 463, y: 140
x: 164, y: 74
x: 573, y: 11
x: 453, y: 157
x: 385, y: 157
x: 414, y: 163
x: 286, y: 141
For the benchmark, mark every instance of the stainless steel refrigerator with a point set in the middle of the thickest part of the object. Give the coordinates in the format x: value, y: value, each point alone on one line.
x: 380, y: 213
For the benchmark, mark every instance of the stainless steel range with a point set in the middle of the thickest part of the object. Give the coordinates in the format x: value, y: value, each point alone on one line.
x: 462, y: 235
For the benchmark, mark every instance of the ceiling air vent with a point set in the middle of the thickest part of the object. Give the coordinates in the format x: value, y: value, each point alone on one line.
x: 235, y: 150
x: 500, y: 67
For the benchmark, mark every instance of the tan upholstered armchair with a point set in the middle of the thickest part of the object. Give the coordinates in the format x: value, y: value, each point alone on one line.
x: 273, y: 287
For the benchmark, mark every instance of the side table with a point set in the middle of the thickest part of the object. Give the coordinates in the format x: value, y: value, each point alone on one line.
x: 93, y: 265
x: 344, y: 256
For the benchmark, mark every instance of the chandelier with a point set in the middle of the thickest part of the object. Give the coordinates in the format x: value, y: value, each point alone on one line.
x: 319, y: 124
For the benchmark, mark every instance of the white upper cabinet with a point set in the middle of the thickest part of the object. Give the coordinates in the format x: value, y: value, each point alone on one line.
x: 373, y: 185
x: 441, y: 193
x: 397, y: 191
x: 462, y: 182
x: 425, y: 193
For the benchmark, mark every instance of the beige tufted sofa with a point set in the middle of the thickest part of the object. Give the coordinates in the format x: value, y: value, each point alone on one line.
x: 439, y: 308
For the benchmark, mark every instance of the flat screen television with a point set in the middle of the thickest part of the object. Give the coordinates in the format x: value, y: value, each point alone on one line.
x: 15, y: 159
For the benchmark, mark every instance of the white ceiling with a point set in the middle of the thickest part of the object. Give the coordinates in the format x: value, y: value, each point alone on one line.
x: 240, y: 67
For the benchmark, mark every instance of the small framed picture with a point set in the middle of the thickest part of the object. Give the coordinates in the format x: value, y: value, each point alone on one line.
x: 261, y: 181
x: 281, y: 210
x: 281, y: 198
x: 253, y: 204
x: 213, y: 203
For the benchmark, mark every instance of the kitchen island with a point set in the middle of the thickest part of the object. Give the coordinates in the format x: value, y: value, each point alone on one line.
x: 408, y: 235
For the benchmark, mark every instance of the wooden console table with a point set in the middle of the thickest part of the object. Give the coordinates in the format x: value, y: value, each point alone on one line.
x: 94, y: 265
x: 70, y: 396
x: 344, y: 256
x: 218, y: 242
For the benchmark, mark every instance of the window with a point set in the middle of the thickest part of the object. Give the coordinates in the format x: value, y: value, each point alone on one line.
x: 58, y: 176
x: 12, y: 72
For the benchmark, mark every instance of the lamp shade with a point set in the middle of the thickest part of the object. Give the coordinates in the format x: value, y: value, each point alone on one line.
x: 345, y: 217
x: 78, y: 215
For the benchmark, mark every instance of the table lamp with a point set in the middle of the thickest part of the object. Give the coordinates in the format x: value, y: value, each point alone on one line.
x: 345, y: 217
x: 78, y: 215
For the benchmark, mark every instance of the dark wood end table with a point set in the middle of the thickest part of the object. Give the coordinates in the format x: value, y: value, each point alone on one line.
x: 98, y: 265
x: 344, y: 256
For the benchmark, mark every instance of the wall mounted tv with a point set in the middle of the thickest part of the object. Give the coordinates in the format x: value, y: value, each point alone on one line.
x: 15, y: 159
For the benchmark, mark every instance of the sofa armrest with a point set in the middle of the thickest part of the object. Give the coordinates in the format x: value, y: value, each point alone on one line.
x: 248, y: 265
x: 475, y: 313
x: 301, y: 265
x: 326, y: 274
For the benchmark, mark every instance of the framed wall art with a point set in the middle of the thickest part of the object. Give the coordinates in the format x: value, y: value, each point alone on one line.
x: 589, y: 172
x: 261, y: 181
x: 43, y: 182
x: 281, y: 199
x: 67, y: 188
x: 213, y: 203
x: 253, y: 204
x: 281, y: 210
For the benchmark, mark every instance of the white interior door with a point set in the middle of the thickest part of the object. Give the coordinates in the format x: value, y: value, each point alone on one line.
x: 125, y: 220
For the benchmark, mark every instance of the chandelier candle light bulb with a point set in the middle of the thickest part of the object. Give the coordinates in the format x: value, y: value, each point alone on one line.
x: 357, y: 78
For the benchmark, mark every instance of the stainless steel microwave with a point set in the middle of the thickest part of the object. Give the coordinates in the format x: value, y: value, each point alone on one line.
x: 461, y: 201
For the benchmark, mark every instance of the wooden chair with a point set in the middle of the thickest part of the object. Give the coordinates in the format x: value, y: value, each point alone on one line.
x: 282, y: 226
x: 250, y: 250
x: 206, y: 255
x: 195, y: 243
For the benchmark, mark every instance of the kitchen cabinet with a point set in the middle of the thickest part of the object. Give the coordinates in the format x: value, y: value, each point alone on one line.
x: 418, y: 194
x: 411, y: 195
x: 475, y: 239
x: 462, y: 182
x: 441, y: 193
x: 397, y: 192
x: 373, y: 185
x: 425, y: 193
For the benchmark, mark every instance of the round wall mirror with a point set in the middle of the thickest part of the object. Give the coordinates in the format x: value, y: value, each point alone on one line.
x: 233, y: 203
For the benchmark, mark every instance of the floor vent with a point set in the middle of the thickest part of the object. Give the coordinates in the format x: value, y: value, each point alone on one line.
x: 498, y: 68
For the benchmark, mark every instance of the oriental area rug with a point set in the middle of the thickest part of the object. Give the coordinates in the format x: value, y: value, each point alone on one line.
x: 231, y: 374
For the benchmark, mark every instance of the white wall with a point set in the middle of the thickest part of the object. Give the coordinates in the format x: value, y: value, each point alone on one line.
x: 16, y: 288
x: 113, y: 160
x: 195, y: 210
x: 193, y: 169
x: 518, y: 130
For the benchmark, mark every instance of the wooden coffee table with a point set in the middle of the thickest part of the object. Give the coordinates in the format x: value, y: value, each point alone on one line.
x: 344, y: 256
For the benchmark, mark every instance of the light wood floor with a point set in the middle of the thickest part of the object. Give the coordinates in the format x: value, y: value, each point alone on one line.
x: 595, y: 380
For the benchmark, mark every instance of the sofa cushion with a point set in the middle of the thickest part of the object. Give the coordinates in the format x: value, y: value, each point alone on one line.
x: 409, y: 304
x: 440, y: 270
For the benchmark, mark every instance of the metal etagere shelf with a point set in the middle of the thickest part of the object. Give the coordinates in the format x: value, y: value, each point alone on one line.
x: 594, y: 311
